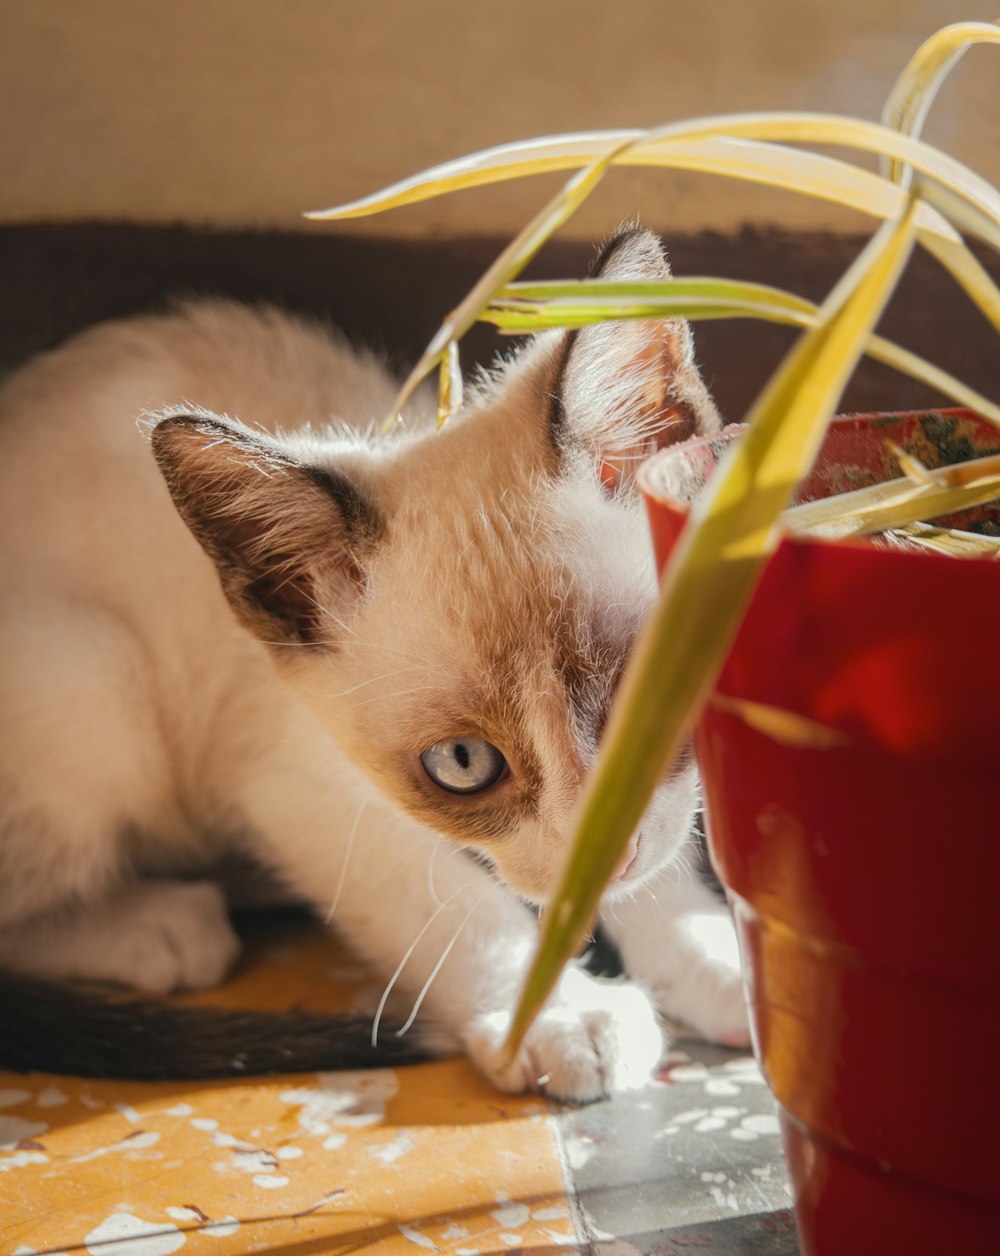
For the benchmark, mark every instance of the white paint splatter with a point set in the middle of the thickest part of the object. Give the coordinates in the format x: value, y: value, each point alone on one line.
x: 709, y: 1123
x: 512, y: 1216
x: 689, y: 1073
x: 511, y: 1240
x: 14, y: 1129
x: 214, y: 1229
x: 180, y: 1109
x: 686, y: 1118
x: 421, y: 1240
x: 742, y: 1135
x: 389, y: 1153
x: 762, y: 1171
x: 579, y: 1150
x: 88, y: 1101
x: 455, y: 1231
x: 721, y: 1086
x: 123, y: 1234
x: 764, y: 1123
x: 560, y: 1239
x: 727, y: 1113
x: 355, y: 1099
x: 745, y: 1070
x: 24, y: 1251
x: 270, y: 1181
x: 466, y: 1251
x: 10, y: 1098
x: 709, y: 1176
x: 254, y: 1160
x: 334, y: 1141
x: 289, y: 1153
x: 138, y: 1141
x: 52, y: 1097
x: 18, y: 1159
x: 551, y: 1214
x: 222, y: 1228
x: 128, y: 1112
x: 222, y: 1139
x: 203, y: 1123
x: 724, y: 1200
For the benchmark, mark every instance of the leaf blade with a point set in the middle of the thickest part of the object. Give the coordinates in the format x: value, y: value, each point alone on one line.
x: 706, y: 587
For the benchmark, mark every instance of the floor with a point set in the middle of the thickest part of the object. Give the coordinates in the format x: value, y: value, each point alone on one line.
x: 426, y: 1156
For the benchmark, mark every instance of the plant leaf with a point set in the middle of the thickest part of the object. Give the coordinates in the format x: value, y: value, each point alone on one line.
x: 509, y: 264
x: 894, y: 504
x: 707, y: 585
x: 524, y: 308
x: 913, y: 93
x: 679, y: 144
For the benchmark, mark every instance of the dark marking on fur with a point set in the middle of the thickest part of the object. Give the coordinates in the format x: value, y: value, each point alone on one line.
x: 603, y: 258
x: 557, y: 407
x: 87, y: 1030
x: 278, y: 530
x: 363, y: 521
x: 605, y: 255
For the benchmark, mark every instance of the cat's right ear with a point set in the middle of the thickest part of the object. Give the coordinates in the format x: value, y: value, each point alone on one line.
x: 289, y: 541
x: 628, y: 388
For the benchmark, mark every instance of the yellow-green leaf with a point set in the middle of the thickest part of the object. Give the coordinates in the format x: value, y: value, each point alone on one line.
x: 524, y: 308
x: 509, y: 264
x: 914, y: 91
x: 706, y: 588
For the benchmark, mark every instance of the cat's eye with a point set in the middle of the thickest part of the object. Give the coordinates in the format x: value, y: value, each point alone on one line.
x: 463, y: 765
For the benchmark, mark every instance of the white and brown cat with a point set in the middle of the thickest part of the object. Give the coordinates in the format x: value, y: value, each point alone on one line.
x: 350, y: 657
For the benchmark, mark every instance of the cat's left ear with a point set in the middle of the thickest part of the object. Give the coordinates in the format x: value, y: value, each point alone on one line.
x: 627, y: 388
x: 290, y: 541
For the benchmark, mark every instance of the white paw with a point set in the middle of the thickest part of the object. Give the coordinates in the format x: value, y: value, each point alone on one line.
x: 167, y: 935
x: 707, y: 991
x: 594, y: 1038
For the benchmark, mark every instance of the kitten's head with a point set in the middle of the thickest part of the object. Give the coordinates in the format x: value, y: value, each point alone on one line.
x: 458, y: 607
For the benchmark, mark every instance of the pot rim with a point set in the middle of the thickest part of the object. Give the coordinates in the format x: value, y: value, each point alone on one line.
x: 658, y: 498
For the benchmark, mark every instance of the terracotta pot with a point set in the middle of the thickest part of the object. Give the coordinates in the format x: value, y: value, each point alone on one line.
x: 864, y: 877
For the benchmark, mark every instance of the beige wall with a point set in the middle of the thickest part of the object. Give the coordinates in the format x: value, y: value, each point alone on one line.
x: 240, y: 112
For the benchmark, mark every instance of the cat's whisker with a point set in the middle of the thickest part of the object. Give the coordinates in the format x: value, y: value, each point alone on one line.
x: 408, y: 851
x: 405, y: 960
x: 398, y: 693
x: 437, y: 968
x: 372, y: 680
x: 347, y: 859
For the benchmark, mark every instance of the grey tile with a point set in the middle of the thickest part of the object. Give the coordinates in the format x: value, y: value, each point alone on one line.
x: 691, y: 1163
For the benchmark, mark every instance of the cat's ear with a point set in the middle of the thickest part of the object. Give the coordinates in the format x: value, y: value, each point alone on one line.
x: 289, y: 541
x: 628, y: 388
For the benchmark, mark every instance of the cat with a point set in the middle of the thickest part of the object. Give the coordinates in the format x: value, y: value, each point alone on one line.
x: 351, y: 657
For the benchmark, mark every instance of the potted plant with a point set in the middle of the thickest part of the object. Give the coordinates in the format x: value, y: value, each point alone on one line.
x: 843, y: 691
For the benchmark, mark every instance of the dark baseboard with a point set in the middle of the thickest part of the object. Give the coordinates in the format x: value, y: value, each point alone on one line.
x: 391, y: 294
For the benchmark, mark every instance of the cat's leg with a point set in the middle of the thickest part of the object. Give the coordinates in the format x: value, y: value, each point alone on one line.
x: 677, y: 939
x: 410, y: 902
x: 82, y: 767
x: 155, y: 936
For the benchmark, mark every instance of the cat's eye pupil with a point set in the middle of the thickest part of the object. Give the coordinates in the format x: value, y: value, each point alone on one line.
x: 463, y: 765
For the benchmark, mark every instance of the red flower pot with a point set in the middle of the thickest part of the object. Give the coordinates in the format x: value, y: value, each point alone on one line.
x: 864, y: 877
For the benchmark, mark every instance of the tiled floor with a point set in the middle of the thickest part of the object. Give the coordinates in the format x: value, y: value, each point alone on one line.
x: 422, y: 1157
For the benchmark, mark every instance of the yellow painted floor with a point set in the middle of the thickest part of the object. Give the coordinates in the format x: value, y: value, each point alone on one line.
x: 427, y: 1156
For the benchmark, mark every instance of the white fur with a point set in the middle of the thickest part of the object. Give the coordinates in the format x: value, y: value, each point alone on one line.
x: 145, y: 732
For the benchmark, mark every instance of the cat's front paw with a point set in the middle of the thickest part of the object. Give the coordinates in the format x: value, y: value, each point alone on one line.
x: 594, y: 1038
x: 172, y: 935
x: 706, y: 990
